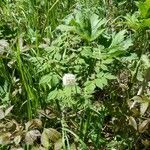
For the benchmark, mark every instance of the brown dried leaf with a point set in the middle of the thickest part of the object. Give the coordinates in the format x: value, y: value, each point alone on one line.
x: 31, y: 136
x: 144, y: 107
x: 5, y: 138
x: 132, y: 122
x: 35, y: 123
x: 143, y: 126
x: 146, y: 143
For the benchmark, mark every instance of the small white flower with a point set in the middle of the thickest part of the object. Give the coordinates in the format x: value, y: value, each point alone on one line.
x: 69, y: 79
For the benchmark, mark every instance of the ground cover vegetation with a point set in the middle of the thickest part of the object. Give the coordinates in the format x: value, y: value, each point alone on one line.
x: 74, y: 74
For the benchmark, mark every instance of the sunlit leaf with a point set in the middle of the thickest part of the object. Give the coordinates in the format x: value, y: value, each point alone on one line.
x: 49, y: 135
x: 8, y: 110
x: 143, y: 107
x: 5, y: 138
x: 144, y: 125
x: 34, y: 123
x: 31, y: 136
x: 58, y: 144
x: 17, y: 148
x: 45, y: 139
x: 17, y: 139
x: 99, y: 83
x: 53, y: 134
x: 45, y: 79
x: 2, y: 114
x: 132, y: 122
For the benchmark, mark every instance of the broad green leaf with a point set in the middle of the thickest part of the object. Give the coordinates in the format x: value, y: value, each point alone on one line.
x: 110, y: 76
x: 45, y: 79
x: 144, y: 8
x: 99, y: 83
x: 89, y: 86
x: 107, y: 61
x: 100, y: 74
x: 104, y: 81
x: 104, y: 67
x: 145, y: 23
x: 63, y: 28
x: 52, y: 95
x: 54, y: 80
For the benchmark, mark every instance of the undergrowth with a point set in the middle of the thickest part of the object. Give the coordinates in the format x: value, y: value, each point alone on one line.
x: 74, y: 75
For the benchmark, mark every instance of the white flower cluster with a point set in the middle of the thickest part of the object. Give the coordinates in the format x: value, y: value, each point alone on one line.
x: 69, y: 79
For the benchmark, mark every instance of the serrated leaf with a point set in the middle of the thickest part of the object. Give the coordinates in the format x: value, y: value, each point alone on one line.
x: 144, y: 8
x: 45, y: 79
x: 143, y: 126
x: 118, y: 38
x: 104, y: 67
x: 132, y: 122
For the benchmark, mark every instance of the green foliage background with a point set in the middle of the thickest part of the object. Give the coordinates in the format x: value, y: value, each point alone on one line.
x: 105, y: 44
